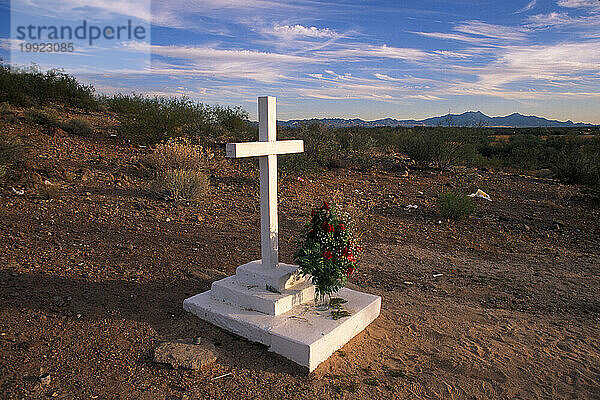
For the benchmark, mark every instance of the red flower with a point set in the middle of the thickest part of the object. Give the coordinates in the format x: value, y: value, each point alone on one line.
x: 346, y: 251
x: 312, y: 213
x: 328, y: 255
x: 351, y: 258
x: 325, y: 205
x: 342, y: 227
x: 350, y: 271
x: 327, y: 227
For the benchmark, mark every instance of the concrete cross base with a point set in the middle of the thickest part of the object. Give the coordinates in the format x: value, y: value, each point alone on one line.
x: 302, y: 334
x: 255, y: 273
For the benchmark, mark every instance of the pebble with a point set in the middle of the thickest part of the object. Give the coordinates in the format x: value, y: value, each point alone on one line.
x: 45, y: 379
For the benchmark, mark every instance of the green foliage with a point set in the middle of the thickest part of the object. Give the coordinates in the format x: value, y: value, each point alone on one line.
x: 152, y: 120
x: 327, y: 252
x: 578, y: 161
x: 441, y: 147
x: 180, y: 184
x: 321, y: 148
x: 26, y: 87
x: 455, y: 206
x: 77, y: 126
x: 12, y: 154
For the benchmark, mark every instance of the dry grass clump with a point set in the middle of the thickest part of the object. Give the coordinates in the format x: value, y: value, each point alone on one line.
x: 179, y: 153
x: 180, y: 170
x: 180, y: 184
x: 77, y: 126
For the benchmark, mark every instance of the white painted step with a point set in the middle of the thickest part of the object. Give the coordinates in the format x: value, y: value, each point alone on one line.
x: 260, y: 299
x: 304, y: 335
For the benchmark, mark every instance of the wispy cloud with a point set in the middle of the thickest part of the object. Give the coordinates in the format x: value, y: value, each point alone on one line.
x: 480, y: 28
x: 528, y: 7
x: 579, y: 3
x: 287, y: 32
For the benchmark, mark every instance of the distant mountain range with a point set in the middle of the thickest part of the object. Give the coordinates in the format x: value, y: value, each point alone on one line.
x: 470, y: 118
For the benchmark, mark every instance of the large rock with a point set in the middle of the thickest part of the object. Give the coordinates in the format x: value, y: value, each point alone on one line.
x: 185, y: 354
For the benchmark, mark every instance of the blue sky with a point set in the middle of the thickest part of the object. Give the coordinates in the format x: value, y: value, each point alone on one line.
x: 364, y: 59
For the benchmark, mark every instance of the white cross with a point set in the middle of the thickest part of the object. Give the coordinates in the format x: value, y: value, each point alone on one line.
x: 267, y: 149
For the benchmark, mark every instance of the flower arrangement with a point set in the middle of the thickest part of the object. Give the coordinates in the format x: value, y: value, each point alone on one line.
x: 328, y: 251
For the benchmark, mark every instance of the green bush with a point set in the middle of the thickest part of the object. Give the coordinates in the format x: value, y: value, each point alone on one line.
x: 152, y: 120
x: 181, y: 184
x: 322, y: 148
x: 578, y: 161
x: 455, y: 206
x: 440, y: 147
x: 77, y: 126
x: 26, y: 87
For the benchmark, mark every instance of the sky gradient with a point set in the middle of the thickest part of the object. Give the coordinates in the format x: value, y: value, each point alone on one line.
x: 349, y: 59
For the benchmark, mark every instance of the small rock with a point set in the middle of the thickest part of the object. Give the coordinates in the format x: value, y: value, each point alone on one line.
x: 185, y: 353
x: 168, y: 219
x: 527, y: 228
x: 45, y: 379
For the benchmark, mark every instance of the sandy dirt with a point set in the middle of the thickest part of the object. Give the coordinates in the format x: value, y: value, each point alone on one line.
x: 94, y: 277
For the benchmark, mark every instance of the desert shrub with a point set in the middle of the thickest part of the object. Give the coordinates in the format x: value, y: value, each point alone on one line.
x: 322, y: 149
x: 25, y: 87
x: 7, y: 113
x: 440, y: 147
x: 45, y: 119
x: 179, y: 153
x: 181, y: 170
x: 180, y: 184
x: 152, y: 120
x: 357, y: 148
x: 578, y: 161
x: 12, y: 154
x: 455, y: 206
x: 77, y: 126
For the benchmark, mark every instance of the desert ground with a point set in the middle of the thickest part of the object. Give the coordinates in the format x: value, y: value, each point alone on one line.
x: 94, y: 270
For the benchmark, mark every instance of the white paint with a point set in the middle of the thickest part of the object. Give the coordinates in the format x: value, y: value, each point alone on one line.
x: 267, y: 149
x: 260, y: 299
x: 255, y: 273
x: 302, y: 334
x: 261, y: 149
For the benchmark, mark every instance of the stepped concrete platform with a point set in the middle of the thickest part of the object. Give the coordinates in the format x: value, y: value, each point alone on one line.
x: 275, y: 308
x: 303, y: 334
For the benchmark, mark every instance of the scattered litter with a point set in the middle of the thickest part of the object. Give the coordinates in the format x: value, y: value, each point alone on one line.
x: 220, y: 376
x: 440, y: 221
x: 20, y: 192
x: 482, y: 194
x: 413, y: 206
x: 301, y: 179
x: 420, y: 192
x: 408, y: 283
x: 437, y: 275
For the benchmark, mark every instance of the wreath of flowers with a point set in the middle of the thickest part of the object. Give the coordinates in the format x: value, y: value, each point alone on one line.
x: 327, y: 250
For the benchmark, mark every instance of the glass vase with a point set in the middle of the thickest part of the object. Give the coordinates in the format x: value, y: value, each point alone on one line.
x: 322, y: 301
